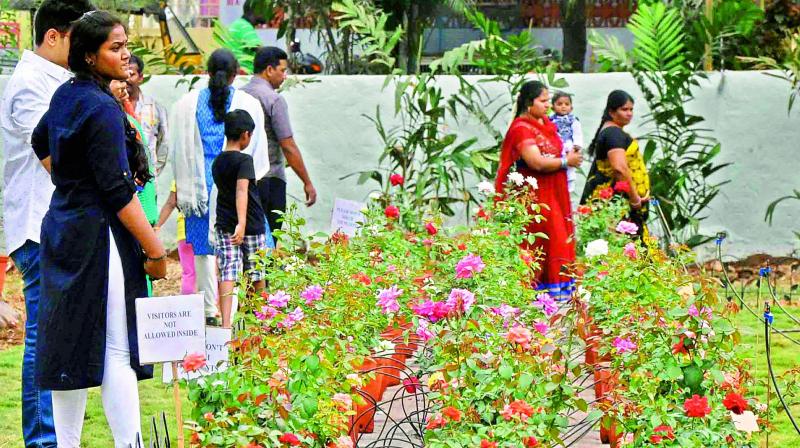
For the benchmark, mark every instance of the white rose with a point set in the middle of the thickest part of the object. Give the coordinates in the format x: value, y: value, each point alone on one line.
x: 596, y: 248
x: 516, y: 178
x: 532, y: 181
x: 486, y: 187
x: 375, y: 195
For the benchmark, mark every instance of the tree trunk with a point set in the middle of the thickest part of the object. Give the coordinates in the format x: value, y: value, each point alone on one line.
x: 415, y: 30
x: 573, y: 26
x: 404, y: 46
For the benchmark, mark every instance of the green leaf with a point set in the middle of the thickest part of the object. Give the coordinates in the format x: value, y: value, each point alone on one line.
x: 312, y: 363
x: 506, y: 371
x: 525, y: 380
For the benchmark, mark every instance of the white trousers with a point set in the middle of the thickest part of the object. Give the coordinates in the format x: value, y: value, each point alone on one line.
x: 119, y: 390
x: 205, y: 268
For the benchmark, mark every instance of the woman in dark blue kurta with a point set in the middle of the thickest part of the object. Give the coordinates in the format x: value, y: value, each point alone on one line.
x: 92, y: 240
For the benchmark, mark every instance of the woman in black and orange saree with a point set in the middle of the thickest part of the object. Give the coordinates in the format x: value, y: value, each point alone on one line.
x: 618, y: 165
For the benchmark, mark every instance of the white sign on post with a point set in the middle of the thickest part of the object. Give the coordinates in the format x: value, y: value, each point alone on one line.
x: 217, y: 350
x: 169, y: 328
x: 347, y: 216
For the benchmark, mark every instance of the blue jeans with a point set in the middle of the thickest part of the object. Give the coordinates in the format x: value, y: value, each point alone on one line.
x: 38, y: 429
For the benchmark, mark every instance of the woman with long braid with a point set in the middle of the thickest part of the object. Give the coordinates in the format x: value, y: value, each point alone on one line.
x: 196, y: 139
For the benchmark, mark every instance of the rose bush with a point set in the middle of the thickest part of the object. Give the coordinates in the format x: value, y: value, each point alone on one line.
x: 673, y: 376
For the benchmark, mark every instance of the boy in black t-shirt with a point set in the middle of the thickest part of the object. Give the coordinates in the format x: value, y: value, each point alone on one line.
x: 240, y: 226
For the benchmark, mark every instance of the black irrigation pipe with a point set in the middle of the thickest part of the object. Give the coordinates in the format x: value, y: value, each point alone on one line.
x: 720, y: 238
x: 773, y: 291
x: 768, y: 320
x: 767, y: 326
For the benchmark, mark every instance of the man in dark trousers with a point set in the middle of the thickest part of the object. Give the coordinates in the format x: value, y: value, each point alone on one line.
x: 270, y: 66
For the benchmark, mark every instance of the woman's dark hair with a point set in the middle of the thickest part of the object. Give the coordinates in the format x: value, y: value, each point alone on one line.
x: 58, y: 15
x: 529, y: 92
x: 237, y: 122
x: 89, y: 33
x: 138, y: 62
x: 616, y: 99
x: 558, y: 95
x: 222, y: 65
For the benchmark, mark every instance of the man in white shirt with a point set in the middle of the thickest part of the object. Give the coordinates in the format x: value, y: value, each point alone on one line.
x: 27, y: 188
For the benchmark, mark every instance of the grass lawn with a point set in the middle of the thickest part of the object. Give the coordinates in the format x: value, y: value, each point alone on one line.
x: 154, y: 395
x: 784, y: 357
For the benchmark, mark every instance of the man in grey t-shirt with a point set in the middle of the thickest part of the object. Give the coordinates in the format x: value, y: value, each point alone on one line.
x: 270, y: 64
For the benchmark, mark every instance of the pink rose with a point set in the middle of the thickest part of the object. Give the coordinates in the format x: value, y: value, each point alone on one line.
x: 630, y: 251
x: 469, y: 266
x: 627, y: 227
x: 519, y: 335
x: 194, y: 362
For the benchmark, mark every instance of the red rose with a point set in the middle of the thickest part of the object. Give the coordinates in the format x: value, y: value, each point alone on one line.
x: 431, y: 228
x: 410, y: 384
x: 194, y: 439
x: 504, y: 232
x: 452, y: 413
x: 680, y: 346
x: 482, y: 214
x: 392, y: 212
x: 526, y: 256
x: 339, y: 237
x: 662, y: 432
x: 622, y: 186
x: 530, y: 442
x: 487, y: 444
x: 462, y: 246
x: 209, y: 416
x: 436, y: 422
x: 696, y: 406
x: 584, y: 210
x: 289, y: 439
x: 735, y: 402
x: 606, y: 193
x: 396, y: 179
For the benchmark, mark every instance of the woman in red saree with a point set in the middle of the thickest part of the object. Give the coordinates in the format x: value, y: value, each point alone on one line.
x: 532, y: 147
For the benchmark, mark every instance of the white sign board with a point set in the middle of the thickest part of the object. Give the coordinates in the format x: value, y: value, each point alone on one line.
x: 169, y: 328
x: 347, y: 216
x: 217, y: 350
x: 746, y: 422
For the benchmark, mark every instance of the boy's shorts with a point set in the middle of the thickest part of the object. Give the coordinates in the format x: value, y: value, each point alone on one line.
x: 233, y: 260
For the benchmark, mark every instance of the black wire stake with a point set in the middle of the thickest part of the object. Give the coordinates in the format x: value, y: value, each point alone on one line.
x: 166, y: 429
x: 768, y: 319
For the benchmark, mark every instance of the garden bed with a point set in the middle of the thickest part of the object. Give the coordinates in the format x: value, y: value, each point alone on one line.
x: 449, y: 315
